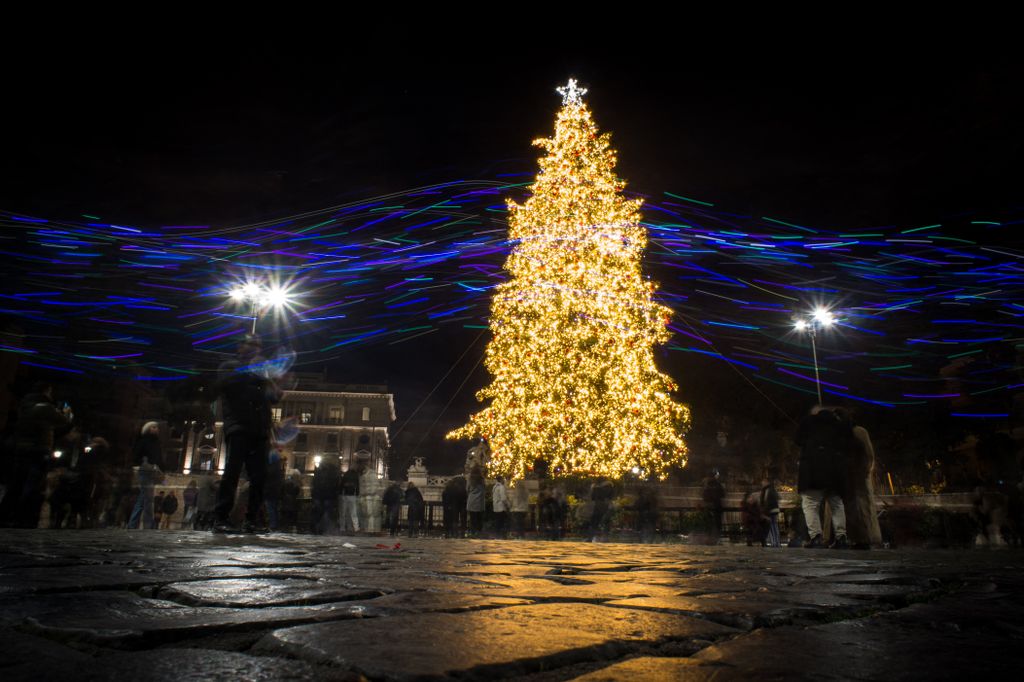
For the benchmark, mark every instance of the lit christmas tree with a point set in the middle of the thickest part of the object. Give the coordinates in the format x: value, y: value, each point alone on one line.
x: 575, y: 325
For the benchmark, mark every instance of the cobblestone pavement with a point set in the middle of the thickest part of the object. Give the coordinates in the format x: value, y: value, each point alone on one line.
x: 187, y: 605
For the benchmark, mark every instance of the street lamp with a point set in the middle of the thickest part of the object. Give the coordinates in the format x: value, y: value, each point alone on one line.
x: 820, y: 319
x: 260, y: 296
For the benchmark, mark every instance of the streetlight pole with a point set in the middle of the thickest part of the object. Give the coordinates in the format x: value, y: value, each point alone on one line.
x: 822, y: 319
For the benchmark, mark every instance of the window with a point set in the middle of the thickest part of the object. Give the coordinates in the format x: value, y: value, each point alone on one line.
x: 366, y: 414
x: 300, y: 462
x: 275, y: 413
x: 335, y: 414
x: 332, y: 442
x: 302, y: 442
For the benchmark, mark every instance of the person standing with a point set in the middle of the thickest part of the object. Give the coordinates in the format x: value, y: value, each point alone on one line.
x: 476, y: 500
x: 453, y: 501
x: 189, y: 498
x: 392, y: 507
x: 859, y: 494
x: 350, y: 498
x: 520, y: 506
x: 500, y: 505
x: 414, y: 498
x: 149, y: 461
x: 246, y: 393
x: 40, y: 423
x: 324, y: 492
x: 825, y: 440
x: 770, y: 509
x: 714, y: 497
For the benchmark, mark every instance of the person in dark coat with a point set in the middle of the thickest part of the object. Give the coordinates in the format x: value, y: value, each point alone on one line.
x: 149, y: 460
x: 246, y: 393
x: 39, y: 426
x: 647, y: 512
x: 414, y: 498
x: 326, y: 480
x: 713, y: 495
x: 825, y: 440
x: 453, y: 500
x: 392, y: 500
x: 169, y: 507
x: 74, y: 490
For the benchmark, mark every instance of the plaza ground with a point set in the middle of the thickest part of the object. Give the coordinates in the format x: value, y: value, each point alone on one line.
x: 159, y: 605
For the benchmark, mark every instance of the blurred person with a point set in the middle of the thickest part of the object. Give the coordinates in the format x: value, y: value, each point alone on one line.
x: 40, y: 426
x: 246, y: 393
x: 349, y: 518
x: 149, y: 461
x: 414, y: 499
x: 825, y: 440
x: 500, y: 507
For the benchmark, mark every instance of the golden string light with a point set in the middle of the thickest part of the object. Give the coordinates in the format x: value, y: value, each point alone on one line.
x: 574, y: 326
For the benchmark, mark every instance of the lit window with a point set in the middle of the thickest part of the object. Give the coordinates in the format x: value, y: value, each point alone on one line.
x: 306, y: 417
x: 275, y: 412
x: 366, y: 414
x: 335, y: 414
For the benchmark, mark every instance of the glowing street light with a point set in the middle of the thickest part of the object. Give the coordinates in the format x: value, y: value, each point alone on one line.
x: 260, y: 296
x: 821, y: 318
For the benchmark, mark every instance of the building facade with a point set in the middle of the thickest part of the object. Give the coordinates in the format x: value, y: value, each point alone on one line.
x: 316, y: 420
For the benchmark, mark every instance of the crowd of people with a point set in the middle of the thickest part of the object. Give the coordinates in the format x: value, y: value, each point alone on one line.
x: 47, y: 459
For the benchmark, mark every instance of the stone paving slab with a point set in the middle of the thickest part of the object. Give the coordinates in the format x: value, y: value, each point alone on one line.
x: 259, y: 592
x: 124, y: 620
x: 483, y: 643
x: 74, y: 603
x: 656, y: 669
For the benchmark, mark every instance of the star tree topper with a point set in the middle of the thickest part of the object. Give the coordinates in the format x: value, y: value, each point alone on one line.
x: 571, y: 95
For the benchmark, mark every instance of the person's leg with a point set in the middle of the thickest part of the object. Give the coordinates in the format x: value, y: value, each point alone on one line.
x: 838, y: 514
x: 229, y: 481
x: 811, y: 502
x: 257, y: 453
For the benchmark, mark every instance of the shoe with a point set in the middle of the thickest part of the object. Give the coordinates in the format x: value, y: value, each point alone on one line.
x: 223, y: 528
x: 814, y: 543
x: 840, y: 543
x: 251, y: 528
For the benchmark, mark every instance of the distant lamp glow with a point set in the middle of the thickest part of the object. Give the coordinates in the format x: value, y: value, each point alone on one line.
x: 57, y: 453
x: 275, y: 297
x: 801, y: 325
x: 824, y: 317
x: 636, y: 471
x: 260, y: 296
x: 317, y: 460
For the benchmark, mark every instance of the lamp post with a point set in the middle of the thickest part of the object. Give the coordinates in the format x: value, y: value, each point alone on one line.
x: 259, y: 296
x: 820, y: 319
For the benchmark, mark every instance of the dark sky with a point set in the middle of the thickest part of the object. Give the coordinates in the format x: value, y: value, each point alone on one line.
x: 187, y: 129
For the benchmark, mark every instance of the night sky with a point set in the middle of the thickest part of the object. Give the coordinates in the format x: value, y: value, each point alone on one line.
x: 167, y: 132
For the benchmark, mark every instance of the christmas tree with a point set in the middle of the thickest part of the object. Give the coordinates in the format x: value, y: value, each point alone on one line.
x: 575, y: 324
